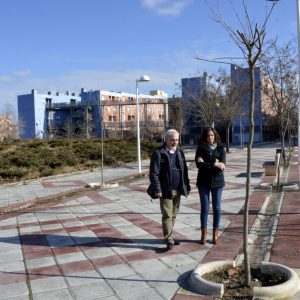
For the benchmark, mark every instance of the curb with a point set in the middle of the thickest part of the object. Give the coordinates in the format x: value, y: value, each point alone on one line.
x: 281, y: 291
x: 204, y: 287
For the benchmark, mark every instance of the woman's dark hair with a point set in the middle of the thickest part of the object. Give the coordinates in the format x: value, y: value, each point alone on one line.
x: 203, y: 139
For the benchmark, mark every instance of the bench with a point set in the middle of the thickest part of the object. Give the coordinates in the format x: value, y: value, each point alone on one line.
x: 271, y: 167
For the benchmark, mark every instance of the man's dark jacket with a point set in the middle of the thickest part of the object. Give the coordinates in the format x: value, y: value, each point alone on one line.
x: 160, y: 173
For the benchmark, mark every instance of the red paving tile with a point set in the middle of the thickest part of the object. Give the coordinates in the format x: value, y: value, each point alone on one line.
x: 43, y: 272
x: 63, y: 183
x: 107, y: 261
x: 33, y: 252
x: 12, y: 277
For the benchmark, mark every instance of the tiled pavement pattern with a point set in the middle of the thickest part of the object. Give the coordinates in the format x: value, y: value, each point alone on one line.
x: 106, y: 244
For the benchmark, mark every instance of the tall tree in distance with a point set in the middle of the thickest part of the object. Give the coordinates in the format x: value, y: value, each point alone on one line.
x: 279, y: 67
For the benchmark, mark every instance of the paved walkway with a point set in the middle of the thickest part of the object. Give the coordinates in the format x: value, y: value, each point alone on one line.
x: 106, y: 244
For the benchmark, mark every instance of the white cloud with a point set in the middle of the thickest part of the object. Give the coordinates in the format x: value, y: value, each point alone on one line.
x: 22, y: 73
x: 16, y: 75
x: 166, y: 7
x: 7, y: 79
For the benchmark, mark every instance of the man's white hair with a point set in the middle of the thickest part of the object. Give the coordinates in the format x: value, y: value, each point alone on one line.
x: 171, y: 132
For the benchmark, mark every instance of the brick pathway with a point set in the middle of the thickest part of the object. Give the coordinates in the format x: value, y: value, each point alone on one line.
x: 106, y: 244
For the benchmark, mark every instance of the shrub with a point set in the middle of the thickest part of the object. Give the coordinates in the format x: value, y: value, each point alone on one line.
x: 26, y: 159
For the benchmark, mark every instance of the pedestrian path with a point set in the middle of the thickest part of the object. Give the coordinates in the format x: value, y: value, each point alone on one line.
x: 106, y: 244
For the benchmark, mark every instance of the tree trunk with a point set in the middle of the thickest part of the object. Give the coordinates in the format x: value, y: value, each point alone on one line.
x: 250, y: 143
x: 227, y: 137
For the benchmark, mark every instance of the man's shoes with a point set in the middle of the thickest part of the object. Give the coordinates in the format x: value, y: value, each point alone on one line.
x: 170, y: 246
x: 176, y: 243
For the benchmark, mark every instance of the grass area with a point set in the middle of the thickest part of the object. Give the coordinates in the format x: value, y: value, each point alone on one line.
x: 30, y: 159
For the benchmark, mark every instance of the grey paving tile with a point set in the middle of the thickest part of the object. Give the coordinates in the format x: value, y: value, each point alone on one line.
x: 47, y: 284
x: 108, y: 298
x: 92, y: 290
x: 40, y: 262
x: 178, y: 260
x: 198, y: 255
x: 149, y: 265
x: 117, y: 271
x: 126, y: 249
x: 70, y: 257
x: 167, y: 290
x: 131, y: 230
x: 11, y: 256
x: 12, y: 266
x: 154, y: 277
x: 128, y: 284
x: 21, y: 297
x: 52, y: 226
x: 13, y: 290
x: 145, y: 294
x: 8, y: 233
x: 29, y: 229
x: 13, y: 246
x: 82, y: 278
x: 63, y: 294
x: 99, y: 252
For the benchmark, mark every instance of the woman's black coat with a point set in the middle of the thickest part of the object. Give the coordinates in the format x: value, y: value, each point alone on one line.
x: 210, y: 176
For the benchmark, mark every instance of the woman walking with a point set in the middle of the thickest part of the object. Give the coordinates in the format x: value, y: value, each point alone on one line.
x: 210, y: 160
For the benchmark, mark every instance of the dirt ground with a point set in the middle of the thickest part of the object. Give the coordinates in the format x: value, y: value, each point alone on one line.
x: 233, y: 281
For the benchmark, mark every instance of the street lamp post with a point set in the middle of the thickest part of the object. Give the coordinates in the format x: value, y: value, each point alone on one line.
x: 143, y: 78
x: 298, y: 31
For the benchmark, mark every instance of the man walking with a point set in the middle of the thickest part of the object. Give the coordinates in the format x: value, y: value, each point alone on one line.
x: 169, y: 179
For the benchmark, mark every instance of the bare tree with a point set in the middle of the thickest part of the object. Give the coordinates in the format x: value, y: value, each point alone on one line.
x: 68, y: 128
x: 229, y: 107
x: 176, y: 116
x: 10, y: 128
x: 202, y: 108
x: 250, y: 40
x: 280, y: 85
x: 5, y: 126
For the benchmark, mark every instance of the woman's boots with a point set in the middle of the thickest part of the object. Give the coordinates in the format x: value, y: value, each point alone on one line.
x: 215, y: 235
x: 203, y: 235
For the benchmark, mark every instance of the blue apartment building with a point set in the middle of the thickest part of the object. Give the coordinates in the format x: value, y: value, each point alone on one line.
x: 91, y: 113
x: 241, y: 125
x: 32, y: 108
x: 191, y: 88
x: 195, y: 87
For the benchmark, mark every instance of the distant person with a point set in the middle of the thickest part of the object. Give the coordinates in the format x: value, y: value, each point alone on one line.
x: 169, y: 179
x: 210, y: 160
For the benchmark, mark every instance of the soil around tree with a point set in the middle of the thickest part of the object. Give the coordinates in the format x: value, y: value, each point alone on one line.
x: 233, y: 280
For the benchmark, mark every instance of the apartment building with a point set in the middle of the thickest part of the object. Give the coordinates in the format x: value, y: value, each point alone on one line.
x: 193, y: 88
x: 241, y: 125
x: 92, y: 113
x: 32, y: 111
x: 196, y: 87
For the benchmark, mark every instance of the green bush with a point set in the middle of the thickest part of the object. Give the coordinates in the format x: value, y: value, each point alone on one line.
x: 28, y: 159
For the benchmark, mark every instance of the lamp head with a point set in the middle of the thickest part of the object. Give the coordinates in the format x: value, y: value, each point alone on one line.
x: 144, y: 78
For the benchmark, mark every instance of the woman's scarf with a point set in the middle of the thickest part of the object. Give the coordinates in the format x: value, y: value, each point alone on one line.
x: 211, y: 147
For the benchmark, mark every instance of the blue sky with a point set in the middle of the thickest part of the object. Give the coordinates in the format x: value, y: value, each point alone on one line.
x: 62, y: 45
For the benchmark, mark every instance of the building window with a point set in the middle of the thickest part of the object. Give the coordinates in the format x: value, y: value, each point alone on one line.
x: 131, y: 118
x: 161, y: 117
x: 112, y: 118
